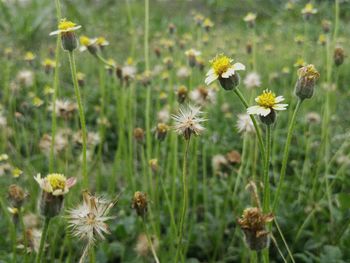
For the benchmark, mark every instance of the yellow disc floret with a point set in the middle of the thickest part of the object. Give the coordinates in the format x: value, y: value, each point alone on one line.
x: 85, y: 41
x: 308, y: 72
x: 267, y: 99
x: 57, y: 181
x: 221, y: 64
x: 65, y: 25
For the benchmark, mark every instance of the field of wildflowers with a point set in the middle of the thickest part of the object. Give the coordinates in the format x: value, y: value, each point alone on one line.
x: 174, y: 131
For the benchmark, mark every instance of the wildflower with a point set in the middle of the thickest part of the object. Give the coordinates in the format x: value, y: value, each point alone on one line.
x: 223, y: 69
x: 140, y: 203
x: 307, y: 77
x: 308, y: 11
x: 163, y: 115
x: 192, y: 55
x: 202, y: 95
x: 66, y: 30
x: 25, y: 78
x: 300, y: 63
x: 153, y: 163
x: 245, y: 124
x: 249, y: 47
x: 268, y: 103
x: 198, y: 18
x: 16, y: 172
x: 252, y: 80
x: 253, y: 223
x: 33, y: 237
x: 102, y: 42
x: 233, y: 157
x: 145, y: 78
x: 139, y: 134
x: 89, y: 44
x: 49, y: 65
x: 326, y: 25
x: 37, y: 102
x: 322, y: 40
x: 208, y: 24
x: 54, y: 186
x: 88, y: 220
x: 171, y: 28
x: 16, y: 196
x: 64, y: 108
x: 250, y: 19
x: 188, y: 122
x: 313, y: 117
x: 200, y: 64
x: 299, y: 39
x: 29, y: 57
x: 161, y: 131
x: 128, y: 73
x: 157, y: 51
x: 92, y: 138
x: 339, y: 56
x: 183, y: 73
x: 218, y: 162
x: 289, y: 6
x: 168, y: 61
x: 4, y: 157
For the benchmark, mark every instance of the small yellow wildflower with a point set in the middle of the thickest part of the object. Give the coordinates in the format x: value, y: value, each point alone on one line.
x: 267, y: 102
x: 16, y: 172
x: 29, y: 56
x: 65, y: 26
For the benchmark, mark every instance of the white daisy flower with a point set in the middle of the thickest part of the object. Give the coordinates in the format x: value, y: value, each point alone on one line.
x: 65, y: 26
x: 267, y: 102
x: 222, y: 67
x: 188, y: 122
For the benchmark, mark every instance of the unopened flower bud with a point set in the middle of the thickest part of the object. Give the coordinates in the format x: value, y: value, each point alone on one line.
x: 139, y: 134
x: 182, y: 94
x: 339, y: 56
x: 153, y: 163
x: 230, y: 83
x: 307, y: 77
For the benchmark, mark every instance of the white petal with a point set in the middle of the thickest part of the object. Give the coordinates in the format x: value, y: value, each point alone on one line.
x: 55, y: 32
x: 265, y: 111
x: 228, y: 73
x: 253, y: 110
x: 210, y: 79
x: 279, y: 99
x: 280, y: 106
x: 238, y: 66
x: 210, y: 72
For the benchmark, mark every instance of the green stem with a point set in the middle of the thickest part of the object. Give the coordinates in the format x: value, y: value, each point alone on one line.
x: 20, y: 214
x: 81, y: 115
x: 257, y: 130
x: 286, y: 154
x: 184, y: 207
x: 266, y: 196
x: 146, y: 34
x: 42, y: 240
x: 54, y: 96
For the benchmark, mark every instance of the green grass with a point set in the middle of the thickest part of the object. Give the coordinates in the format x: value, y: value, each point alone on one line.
x: 312, y: 213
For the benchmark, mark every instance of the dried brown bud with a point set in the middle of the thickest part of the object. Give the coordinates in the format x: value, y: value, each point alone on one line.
x: 233, y: 157
x: 182, y: 94
x: 139, y: 203
x: 139, y: 134
x: 16, y: 196
x: 339, y: 56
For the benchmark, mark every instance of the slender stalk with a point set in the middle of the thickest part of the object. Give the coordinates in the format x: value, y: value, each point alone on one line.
x: 146, y: 34
x: 184, y: 206
x: 55, y: 90
x: 286, y: 154
x: 42, y: 240
x: 257, y: 130
x: 154, y: 253
x: 266, y: 195
x: 25, y: 240
x: 81, y: 115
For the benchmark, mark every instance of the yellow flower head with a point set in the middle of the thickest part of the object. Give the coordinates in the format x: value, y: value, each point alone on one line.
x: 309, y: 9
x: 309, y: 72
x: 221, y: 64
x: 267, y: 102
x: 57, y: 181
x: 66, y: 25
x: 29, y: 56
x: 266, y: 99
x: 300, y: 63
x: 49, y: 63
x: 250, y: 17
x: 85, y: 41
x: 16, y: 172
x: 101, y: 41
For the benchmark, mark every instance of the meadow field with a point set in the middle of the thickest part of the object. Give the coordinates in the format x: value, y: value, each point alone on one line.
x: 174, y: 131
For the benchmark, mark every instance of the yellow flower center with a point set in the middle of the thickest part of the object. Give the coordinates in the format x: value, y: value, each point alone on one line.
x: 66, y: 25
x: 57, y: 181
x: 267, y: 99
x: 85, y: 41
x: 101, y: 41
x: 309, y: 7
x: 221, y: 64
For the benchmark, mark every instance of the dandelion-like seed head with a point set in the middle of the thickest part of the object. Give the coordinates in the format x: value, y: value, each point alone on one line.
x: 88, y: 220
x: 188, y: 121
